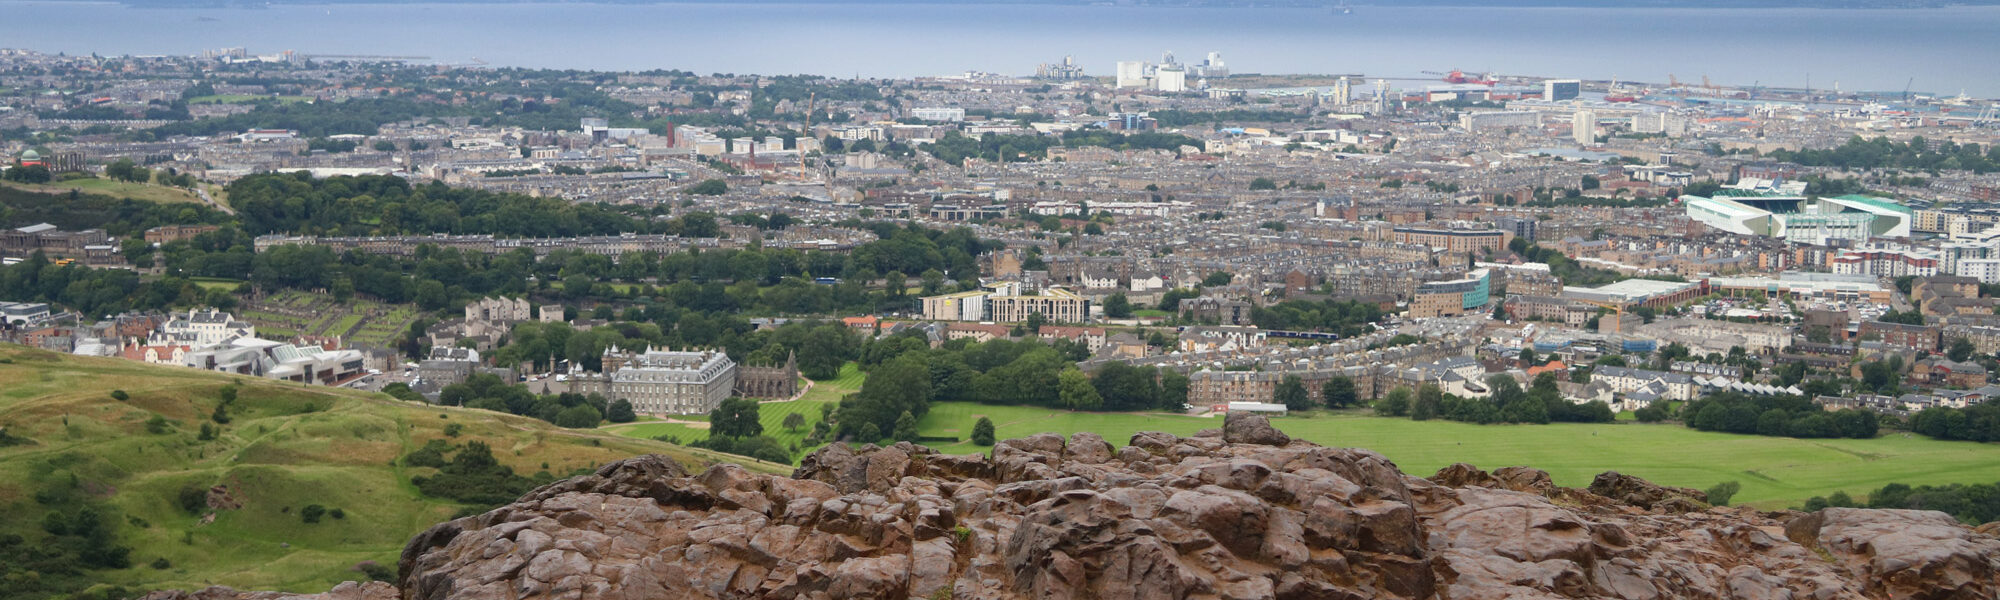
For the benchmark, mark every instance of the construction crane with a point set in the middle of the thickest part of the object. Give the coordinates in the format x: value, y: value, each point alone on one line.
x: 1906, y: 89
x: 1672, y: 81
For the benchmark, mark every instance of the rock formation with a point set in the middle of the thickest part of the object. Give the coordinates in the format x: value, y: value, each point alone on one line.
x: 1240, y: 513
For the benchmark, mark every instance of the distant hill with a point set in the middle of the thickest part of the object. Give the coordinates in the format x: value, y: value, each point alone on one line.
x: 110, y: 474
x: 1823, y: 4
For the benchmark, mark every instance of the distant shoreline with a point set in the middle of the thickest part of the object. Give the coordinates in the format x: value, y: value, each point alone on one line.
x: 1250, y: 4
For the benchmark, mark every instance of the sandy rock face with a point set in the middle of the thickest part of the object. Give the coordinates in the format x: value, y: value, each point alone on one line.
x: 1243, y: 514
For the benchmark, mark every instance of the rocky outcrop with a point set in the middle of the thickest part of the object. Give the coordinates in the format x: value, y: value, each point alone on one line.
x: 1241, y: 513
x: 1644, y: 494
x: 1244, y: 428
x: 1903, y: 553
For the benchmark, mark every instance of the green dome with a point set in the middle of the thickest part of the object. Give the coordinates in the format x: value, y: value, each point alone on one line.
x: 31, y: 154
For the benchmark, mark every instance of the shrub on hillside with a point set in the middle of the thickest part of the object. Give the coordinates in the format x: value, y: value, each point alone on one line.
x: 376, y: 571
x: 192, y: 499
x: 430, y: 455
x: 620, y: 411
x: 1722, y: 492
x: 982, y: 432
x: 473, y: 477
x: 12, y: 440
x: 581, y: 416
x: 761, y: 447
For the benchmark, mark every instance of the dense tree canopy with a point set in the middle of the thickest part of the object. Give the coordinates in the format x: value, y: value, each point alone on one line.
x: 1781, y: 415
x: 1881, y: 152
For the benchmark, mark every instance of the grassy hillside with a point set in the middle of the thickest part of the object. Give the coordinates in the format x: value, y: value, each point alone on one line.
x: 117, y: 189
x: 285, y: 447
x: 1775, y: 472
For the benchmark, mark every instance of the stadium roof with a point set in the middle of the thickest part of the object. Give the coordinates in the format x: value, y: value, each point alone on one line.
x: 1881, y: 203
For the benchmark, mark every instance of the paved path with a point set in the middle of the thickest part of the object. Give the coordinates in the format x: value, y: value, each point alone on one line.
x: 210, y: 200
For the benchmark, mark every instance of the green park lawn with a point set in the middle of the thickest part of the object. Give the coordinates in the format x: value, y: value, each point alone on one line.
x: 1774, y: 472
x: 216, y: 283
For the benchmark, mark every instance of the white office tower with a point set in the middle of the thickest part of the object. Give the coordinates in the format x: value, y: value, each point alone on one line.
x: 1381, y: 96
x: 1343, y: 92
x: 1171, y: 78
x: 1131, y: 73
x: 1584, y: 127
x: 1556, y: 90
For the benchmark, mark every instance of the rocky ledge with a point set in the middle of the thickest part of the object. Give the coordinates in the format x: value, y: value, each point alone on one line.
x: 1243, y: 512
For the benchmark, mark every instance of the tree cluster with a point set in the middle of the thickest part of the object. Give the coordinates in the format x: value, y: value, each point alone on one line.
x: 1345, y: 317
x: 101, y: 291
x: 1973, y: 504
x: 488, y: 392
x: 1881, y: 153
x: 470, y: 475
x: 907, y: 376
x: 1780, y: 415
x: 735, y: 427
x: 1507, y: 403
x: 389, y: 205
x: 1560, y: 265
x: 1978, y: 423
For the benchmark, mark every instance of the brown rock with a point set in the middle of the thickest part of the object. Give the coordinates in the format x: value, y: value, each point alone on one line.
x: 1245, y: 428
x: 1638, y: 492
x: 1087, y: 447
x: 1904, y: 553
x: 1524, y: 479
x: 1248, y: 514
x: 1459, y: 475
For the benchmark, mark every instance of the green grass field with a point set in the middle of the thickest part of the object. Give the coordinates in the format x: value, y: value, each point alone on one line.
x: 286, y: 447
x: 770, y: 414
x: 118, y: 189
x: 1775, y: 472
x: 216, y: 283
